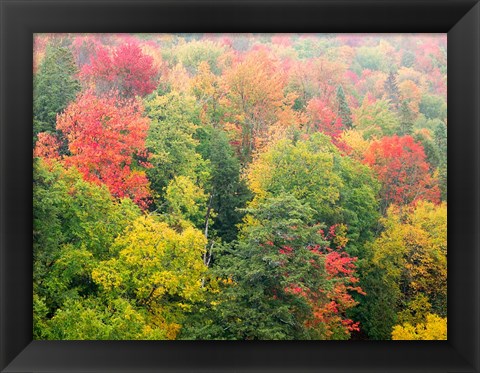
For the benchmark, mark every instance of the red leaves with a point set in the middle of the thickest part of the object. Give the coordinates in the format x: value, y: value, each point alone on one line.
x: 103, y: 136
x: 329, y: 306
x: 324, y: 119
x: 125, y: 69
x: 400, y: 165
x: 47, y: 146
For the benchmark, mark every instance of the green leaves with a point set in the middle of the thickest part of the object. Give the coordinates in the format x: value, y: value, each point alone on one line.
x: 54, y: 86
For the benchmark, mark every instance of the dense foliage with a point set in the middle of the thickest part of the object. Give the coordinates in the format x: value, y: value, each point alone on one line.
x: 250, y: 186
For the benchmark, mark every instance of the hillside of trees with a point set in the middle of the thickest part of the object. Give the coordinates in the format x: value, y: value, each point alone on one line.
x: 240, y: 186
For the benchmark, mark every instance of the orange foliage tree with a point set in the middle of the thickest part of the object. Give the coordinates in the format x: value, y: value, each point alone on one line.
x: 400, y: 165
x: 106, y: 141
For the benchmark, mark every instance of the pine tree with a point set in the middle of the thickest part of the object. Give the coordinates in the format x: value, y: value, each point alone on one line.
x: 440, y: 134
x: 391, y: 89
x: 406, y: 119
x: 54, y: 86
x: 343, y: 108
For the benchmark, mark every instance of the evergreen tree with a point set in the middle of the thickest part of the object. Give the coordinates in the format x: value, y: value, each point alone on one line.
x: 391, y: 88
x: 343, y: 108
x: 440, y: 134
x: 406, y: 119
x: 272, y: 256
x: 54, y: 86
x: 408, y: 58
x: 228, y: 192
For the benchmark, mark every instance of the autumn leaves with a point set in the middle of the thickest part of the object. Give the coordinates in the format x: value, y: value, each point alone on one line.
x: 239, y: 187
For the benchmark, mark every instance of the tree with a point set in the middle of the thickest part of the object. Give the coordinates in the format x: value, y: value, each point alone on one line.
x: 324, y: 119
x: 228, y: 192
x: 433, y: 107
x: 391, y: 90
x: 343, y: 108
x: 194, y: 53
x: 187, y: 201
x: 408, y: 58
x: 54, y: 86
x: 91, y: 319
x: 375, y: 118
x: 171, y: 142
x: 125, y: 69
x: 106, y: 140
x: 208, y: 93
x: 399, y: 163
x: 440, y: 138
x: 406, y: 119
x: 411, y: 93
x: 316, y: 78
x: 255, y: 98
x: 285, y: 282
x: 74, y: 225
x: 410, y: 260
x: 159, y: 267
x: 435, y: 328
x: 339, y: 189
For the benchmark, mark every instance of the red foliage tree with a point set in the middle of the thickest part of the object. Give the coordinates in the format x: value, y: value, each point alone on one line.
x: 47, y: 146
x: 400, y: 165
x: 126, y: 69
x: 323, y: 118
x: 104, y: 135
x: 341, y: 270
x: 330, y: 305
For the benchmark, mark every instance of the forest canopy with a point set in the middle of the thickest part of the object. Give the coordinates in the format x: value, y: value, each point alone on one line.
x: 240, y: 187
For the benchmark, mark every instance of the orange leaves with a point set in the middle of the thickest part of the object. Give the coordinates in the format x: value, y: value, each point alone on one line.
x: 400, y: 165
x: 104, y: 134
x: 255, y: 98
x: 47, y: 146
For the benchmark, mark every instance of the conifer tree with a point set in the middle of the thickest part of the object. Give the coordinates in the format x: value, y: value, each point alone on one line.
x: 391, y: 89
x: 343, y: 108
x: 55, y: 85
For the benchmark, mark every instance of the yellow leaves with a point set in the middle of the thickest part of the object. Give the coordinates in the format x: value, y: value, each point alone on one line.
x: 107, y: 275
x: 341, y: 238
x: 412, y: 250
x: 179, y: 79
x: 156, y: 260
x: 354, y: 139
x: 435, y: 328
x: 186, y: 200
x: 410, y: 92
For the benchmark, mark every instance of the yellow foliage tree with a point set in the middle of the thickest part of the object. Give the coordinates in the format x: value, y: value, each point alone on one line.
x: 159, y: 266
x: 412, y: 253
x: 435, y: 328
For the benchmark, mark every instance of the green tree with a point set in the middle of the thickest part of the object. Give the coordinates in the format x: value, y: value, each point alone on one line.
x: 258, y: 305
x: 228, y: 192
x: 408, y: 58
x: 74, y: 225
x: 171, y: 142
x: 338, y: 188
x: 391, y: 89
x: 343, y: 108
x: 185, y: 200
x: 433, y: 107
x: 376, y: 119
x: 440, y: 138
x: 406, y: 119
x: 54, y: 86
x: 158, y: 266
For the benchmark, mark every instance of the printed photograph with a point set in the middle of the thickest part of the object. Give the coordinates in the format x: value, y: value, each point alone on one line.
x: 239, y: 186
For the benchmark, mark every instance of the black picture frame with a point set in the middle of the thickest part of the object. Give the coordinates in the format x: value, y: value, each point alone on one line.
x: 21, y: 18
